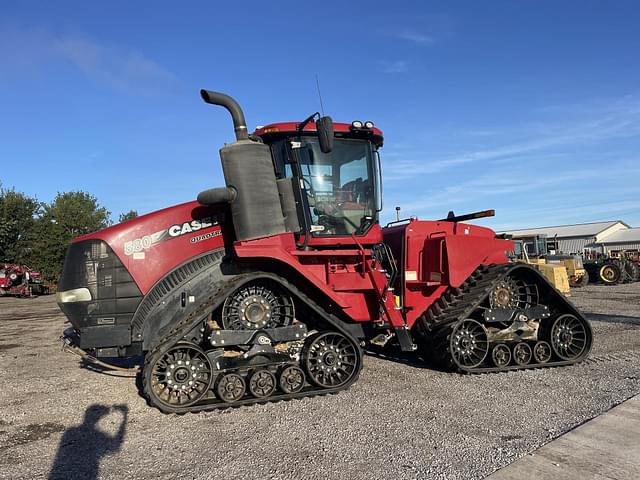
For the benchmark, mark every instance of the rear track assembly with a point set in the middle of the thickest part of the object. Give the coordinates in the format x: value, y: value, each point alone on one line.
x: 482, y: 327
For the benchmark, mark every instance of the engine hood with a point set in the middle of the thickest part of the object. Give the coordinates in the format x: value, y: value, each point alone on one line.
x: 151, y: 245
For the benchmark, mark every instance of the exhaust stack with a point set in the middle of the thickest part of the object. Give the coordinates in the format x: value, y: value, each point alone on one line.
x: 233, y: 107
x: 251, y: 188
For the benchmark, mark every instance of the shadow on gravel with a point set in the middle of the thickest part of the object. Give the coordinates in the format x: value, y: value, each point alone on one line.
x: 82, y: 448
x: 396, y: 355
x: 600, y: 317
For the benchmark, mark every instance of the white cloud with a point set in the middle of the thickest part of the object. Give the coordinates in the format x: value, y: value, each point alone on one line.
x: 580, y: 165
x: 118, y: 67
x: 414, y: 37
x: 618, y: 119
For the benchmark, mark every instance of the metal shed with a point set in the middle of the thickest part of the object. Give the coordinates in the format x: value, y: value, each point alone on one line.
x: 628, y: 239
x: 574, y: 238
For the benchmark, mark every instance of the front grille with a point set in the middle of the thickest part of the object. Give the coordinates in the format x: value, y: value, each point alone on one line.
x: 114, y: 295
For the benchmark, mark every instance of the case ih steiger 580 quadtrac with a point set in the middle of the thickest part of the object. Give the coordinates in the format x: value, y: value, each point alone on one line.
x: 269, y: 287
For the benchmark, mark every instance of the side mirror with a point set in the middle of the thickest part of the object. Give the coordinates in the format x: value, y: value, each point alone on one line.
x: 324, y: 126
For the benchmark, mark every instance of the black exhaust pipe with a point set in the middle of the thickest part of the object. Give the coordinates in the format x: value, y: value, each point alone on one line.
x: 251, y: 187
x: 217, y: 195
x: 239, y: 123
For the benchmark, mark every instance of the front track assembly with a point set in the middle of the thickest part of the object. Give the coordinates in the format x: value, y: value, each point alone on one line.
x: 504, y: 317
x: 198, y: 367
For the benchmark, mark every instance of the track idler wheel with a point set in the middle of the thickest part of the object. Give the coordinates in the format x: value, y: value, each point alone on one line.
x: 291, y: 379
x: 522, y: 354
x: 330, y: 359
x: 178, y: 378
x: 501, y: 355
x: 262, y: 383
x: 468, y: 344
x: 542, y: 352
x: 570, y: 337
x: 230, y: 387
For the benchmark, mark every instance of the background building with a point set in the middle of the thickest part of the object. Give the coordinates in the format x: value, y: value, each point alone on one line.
x: 627, y: 239
x: 575, y: 238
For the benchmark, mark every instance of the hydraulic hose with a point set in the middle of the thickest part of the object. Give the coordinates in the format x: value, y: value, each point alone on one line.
x: 84, y: 355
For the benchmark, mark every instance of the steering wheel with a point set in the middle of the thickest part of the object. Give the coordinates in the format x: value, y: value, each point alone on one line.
x: 327, y: 223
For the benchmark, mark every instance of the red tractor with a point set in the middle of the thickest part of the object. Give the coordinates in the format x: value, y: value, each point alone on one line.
x: 268, y: 288
x: 20, y: 281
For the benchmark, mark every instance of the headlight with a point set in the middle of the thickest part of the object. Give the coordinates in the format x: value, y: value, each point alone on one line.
x: 368, y: 124
x: 356, y: 124
x: 75, y: 295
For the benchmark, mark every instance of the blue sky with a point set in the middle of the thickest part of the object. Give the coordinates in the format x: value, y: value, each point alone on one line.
x: 530, y: 108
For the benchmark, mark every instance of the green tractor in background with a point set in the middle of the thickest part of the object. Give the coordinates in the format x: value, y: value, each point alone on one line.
x: 615, y: 268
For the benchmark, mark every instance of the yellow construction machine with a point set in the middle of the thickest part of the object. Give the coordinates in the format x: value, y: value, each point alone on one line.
x: 578, y: 276
x: 532, y: 252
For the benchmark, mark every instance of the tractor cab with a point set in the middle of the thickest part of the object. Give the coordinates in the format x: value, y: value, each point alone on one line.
x: 336, y: 183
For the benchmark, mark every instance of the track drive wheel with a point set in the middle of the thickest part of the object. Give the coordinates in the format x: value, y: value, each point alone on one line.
x: 178, y: 378
x: 255, y: 306
x: 330, y: 359
x: 510, y: 293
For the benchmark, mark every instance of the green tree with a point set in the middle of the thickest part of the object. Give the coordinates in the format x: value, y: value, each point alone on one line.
x: 127, y: 216
x: 18, y: 214
x: 71, y: 214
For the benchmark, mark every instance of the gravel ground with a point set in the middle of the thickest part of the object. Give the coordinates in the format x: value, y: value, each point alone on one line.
x: 398, y: 421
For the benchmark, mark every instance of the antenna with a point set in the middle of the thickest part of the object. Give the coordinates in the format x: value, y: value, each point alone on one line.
x: 319, y: 94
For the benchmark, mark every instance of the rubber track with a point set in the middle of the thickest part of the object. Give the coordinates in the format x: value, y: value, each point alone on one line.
x: 454, y: 305
x: 183, y: 327
x: 435, y: 326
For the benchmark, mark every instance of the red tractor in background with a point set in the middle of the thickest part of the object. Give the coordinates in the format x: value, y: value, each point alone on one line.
x: 20, y: 281
x: 268, y: 288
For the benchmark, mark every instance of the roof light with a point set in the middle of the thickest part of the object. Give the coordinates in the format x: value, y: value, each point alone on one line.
x: 356, y: 124
x: 368, y: 124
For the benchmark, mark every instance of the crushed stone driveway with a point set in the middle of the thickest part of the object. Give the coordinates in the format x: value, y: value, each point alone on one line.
x: 400, y: 420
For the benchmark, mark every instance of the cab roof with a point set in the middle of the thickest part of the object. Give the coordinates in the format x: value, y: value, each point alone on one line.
x: 275, y: 131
